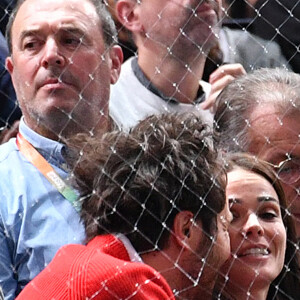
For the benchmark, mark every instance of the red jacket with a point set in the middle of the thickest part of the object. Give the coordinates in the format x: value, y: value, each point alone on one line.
x: 100, y: 270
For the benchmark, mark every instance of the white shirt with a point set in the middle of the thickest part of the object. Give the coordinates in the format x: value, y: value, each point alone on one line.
x: 131, y: 101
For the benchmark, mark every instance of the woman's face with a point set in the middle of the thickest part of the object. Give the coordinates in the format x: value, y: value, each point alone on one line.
x: 257, y: 233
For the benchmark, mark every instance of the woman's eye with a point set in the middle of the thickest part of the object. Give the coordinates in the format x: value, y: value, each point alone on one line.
x: 268, y: 215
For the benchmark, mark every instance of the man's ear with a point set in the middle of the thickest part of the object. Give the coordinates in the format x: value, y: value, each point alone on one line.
x: 9, y: 65
x: 183, y: 227
x: 187, y: 232
x: 116, y: 60
x: 128, y: 16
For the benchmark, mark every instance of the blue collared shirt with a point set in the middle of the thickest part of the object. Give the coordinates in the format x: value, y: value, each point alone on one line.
x: 35, y: 219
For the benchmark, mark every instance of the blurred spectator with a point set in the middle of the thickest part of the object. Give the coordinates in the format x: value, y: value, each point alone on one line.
x: 279, y: 20
x: 237, y: 45
x: 253, y: 52
x: 166, y: 75
x: 9, y: 109
x: 233, y: 45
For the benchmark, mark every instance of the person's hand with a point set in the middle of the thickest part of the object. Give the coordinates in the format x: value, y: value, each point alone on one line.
x: 8, y: 133
x: 219, y: 79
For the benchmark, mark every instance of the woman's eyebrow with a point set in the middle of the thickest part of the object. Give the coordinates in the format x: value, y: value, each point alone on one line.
x: 267, y: 199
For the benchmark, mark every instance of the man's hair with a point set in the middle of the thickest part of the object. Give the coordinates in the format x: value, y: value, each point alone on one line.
x: 107, y: 25
x: 287, y: 282
x: 237, y: 101
x: 136, y: 183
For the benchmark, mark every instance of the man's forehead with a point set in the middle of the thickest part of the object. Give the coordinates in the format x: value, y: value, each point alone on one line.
x: 267, y: 118
x: 34, y: 8
x: 272, y: 134
x: 263, y: 110
x: 34, y: 14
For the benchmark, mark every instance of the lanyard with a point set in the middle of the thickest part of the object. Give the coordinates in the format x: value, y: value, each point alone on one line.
x: 47, y: 170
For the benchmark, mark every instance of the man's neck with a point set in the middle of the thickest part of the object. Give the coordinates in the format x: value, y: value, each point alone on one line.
x: 174, y: 78
x: 41, y: 130
x: 62, y: 133
x: 163, y: 263
x: 181, y: 284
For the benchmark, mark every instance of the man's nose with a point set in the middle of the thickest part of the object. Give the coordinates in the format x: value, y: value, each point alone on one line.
x: 52, y: 54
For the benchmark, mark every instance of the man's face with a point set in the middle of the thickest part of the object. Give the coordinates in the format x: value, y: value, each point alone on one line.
x: 274, y: 138
x: 222, y: 244
x: 59, y: 65
x: 181, y: 24
x: 215, y: 254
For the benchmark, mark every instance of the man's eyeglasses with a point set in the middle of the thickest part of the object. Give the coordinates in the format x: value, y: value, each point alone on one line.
x: 288, y: 170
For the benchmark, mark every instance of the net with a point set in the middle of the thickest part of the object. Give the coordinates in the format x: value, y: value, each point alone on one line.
x: 152, y: 214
